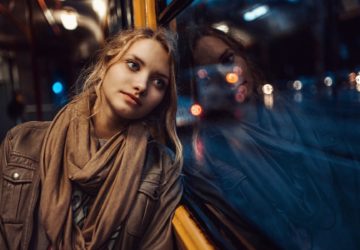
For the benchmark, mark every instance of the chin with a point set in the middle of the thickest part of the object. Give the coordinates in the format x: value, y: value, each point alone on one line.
x: 129, y: 116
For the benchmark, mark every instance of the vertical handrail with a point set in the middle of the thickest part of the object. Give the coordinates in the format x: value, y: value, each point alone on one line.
x: 150, y: 11
x: 139, y: 13
x: 189, y: 234
x: 145, y: 14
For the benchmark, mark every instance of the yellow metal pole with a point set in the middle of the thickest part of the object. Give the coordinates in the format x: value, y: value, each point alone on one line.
x: 150, y: 9
x: 191, y: 236
x: 139, y: 13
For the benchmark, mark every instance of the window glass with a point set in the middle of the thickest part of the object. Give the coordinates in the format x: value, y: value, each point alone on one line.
x: 269, y: 114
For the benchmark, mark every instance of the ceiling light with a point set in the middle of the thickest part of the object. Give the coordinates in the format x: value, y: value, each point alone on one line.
x: 100, y: 7
x: 69, y: 19
x: 255, y: 13
x: 222, y: 27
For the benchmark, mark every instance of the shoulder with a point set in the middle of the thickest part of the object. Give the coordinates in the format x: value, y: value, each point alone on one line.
x: 28, y: 128
x: 154, y: 145
x: 26, y: 139
x: 164, y: 157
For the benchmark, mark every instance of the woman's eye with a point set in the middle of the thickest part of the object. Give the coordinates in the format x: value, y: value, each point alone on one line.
x: 133, y: 66
x: 159, y: 83
x: 228, y: 59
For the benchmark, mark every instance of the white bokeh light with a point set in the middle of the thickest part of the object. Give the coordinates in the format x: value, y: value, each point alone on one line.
x: 297, y: 85
x: 222, y: 27
x: 328, y: 81
x: 69, y: 19
x: 255, y: 13
x: 358, y: 87
x: 267, y: 89
x: 100, y: 7
x: 357, y: 79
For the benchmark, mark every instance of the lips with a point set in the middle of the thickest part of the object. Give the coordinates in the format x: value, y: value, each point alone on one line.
x: 134, y: 98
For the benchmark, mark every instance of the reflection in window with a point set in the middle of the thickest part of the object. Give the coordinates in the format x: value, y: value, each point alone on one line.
x: 279, y: 138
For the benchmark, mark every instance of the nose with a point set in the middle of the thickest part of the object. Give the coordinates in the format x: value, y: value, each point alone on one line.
x: 140, y: 85
x: 216, y: 76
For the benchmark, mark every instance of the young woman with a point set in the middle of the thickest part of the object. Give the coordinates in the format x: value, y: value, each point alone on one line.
x: 99, y: 176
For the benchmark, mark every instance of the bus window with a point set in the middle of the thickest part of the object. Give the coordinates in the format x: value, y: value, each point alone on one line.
x: 274, y: 153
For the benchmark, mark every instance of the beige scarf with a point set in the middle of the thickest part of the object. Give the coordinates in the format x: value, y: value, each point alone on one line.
x: 69, y: 154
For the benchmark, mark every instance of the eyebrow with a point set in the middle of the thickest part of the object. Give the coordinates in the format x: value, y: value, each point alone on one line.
x: 138, y: 59
x: 156, y: 72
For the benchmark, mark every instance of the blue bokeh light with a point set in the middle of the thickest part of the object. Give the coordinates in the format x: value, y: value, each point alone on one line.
x: 57, y: 87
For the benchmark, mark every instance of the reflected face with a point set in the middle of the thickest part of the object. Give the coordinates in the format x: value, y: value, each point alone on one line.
x: 136, y: 84
x: 214, y: 52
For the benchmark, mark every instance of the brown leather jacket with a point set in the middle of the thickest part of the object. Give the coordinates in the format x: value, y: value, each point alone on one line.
x: 147, y: 227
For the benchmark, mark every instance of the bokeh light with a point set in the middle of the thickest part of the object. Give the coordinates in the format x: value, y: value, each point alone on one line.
x: 358, y: 87
x: 196, y: 110
x: 357, y: 79
x: 57, y: 87
x: 328, y: 81
x: 222, y: 27
x: 267, y: 89
x: 232, y: 78
x: 100, y: 7
x: 69, y: 19
x: 202, y: 73
x: 297, y: 85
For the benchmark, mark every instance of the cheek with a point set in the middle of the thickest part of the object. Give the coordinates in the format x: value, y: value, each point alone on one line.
x: 245, y: 70
x: 106, y: 84
x: 242, y: 64
x: 155, y: 98
x: 114, y: 77
x: 159, y: 98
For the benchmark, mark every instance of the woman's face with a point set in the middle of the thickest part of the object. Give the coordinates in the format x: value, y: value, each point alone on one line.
x: 213, y: 54
x: 137, y: 83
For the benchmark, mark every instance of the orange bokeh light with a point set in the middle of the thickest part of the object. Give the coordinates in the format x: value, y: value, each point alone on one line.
x: 196, y: 110
x: 232, y: 78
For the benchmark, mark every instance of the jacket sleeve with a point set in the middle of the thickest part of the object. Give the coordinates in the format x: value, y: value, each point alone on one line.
x: 159, y: 234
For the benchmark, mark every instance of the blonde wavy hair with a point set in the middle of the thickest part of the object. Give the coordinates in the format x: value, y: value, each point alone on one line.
x: 165, y: 113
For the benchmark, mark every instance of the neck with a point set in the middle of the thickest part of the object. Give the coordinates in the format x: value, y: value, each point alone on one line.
x: 106, y: 124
